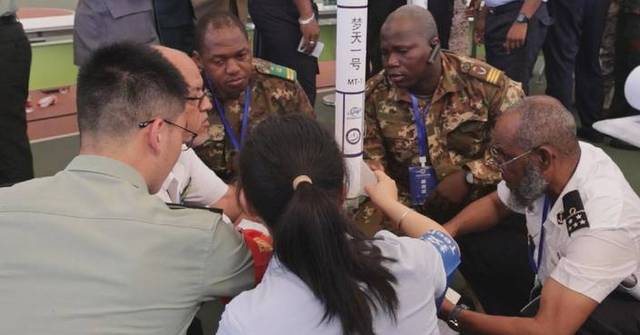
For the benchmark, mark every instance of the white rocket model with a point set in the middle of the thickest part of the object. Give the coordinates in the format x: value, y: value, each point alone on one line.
x: 351, y: 49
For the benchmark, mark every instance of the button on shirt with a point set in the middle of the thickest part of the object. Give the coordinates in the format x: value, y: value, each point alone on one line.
x: 283, y: 304
x: 90, y: 251
x: 591, y: 260
x: 192, y: 182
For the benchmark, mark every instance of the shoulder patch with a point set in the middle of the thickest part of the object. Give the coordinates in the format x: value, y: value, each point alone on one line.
x: 573, y: 214
x: 276, y: 70
x: 483, y: 72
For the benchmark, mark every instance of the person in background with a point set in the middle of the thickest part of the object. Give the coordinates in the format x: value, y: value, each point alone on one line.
x: 456, y: 100
x: 175, y: 24
x: 377, y: 12
x: 101, y: 22
x: 244, y: 90
x: 583, y: 221
x: 108, y: 255
x: 513, y: 32
x: 238, y: 8
x: 191, y: 182
x: 283, y: 25
x: 572, y: 48
x: 16, y: 163
x: 326, y: 277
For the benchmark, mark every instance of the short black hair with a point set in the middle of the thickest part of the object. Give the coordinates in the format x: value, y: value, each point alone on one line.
x: 124, y: 84
x: 217, y: 21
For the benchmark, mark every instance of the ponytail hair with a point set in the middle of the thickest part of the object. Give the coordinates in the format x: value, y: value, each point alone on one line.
x: 312, y: 236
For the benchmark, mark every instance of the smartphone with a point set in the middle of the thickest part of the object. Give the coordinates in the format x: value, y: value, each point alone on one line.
x: 315, y: 52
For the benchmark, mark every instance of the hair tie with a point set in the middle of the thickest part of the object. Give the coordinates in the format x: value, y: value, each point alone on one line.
x: 300, y: 179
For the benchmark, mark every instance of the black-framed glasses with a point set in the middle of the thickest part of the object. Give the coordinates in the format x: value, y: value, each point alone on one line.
x: 498, y: 161
x: 188, y: 144
x: 200, y: 98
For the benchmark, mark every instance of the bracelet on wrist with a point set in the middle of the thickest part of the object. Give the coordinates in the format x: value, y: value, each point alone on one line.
x: 404, y: 215
x: 307, y: 20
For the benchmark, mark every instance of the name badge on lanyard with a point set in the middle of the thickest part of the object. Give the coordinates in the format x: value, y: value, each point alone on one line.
x: 535, y: 266
x: 236, y: 142
x: 422, y: 178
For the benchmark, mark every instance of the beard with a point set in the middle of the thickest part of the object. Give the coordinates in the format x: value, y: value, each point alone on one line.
x: 531, y: 187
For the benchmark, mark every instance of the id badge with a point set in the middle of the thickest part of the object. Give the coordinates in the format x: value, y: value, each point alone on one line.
x: 422, y: 182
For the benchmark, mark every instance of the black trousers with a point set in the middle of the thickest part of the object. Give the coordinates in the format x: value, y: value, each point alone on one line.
x: 175, y: 24
x: 442, y: 11
x: 16, y: 163
x: 277, y: 37
x: 627, y: 59
x: 573, y: 47
x: 518, y: 65
x: 495, y: 264
x: 377, y: 12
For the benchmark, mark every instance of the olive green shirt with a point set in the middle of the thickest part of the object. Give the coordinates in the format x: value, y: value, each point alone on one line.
x: 90, y: 251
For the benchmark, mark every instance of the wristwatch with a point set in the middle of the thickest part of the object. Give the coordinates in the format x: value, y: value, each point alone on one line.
x: 522, y: 18
x: 468, y: 177
x: 452, y: 320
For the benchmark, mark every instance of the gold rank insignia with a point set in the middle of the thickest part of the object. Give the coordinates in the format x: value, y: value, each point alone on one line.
x: 493, y: 75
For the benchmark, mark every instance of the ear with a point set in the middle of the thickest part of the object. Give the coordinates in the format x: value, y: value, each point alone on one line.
x: 154, y: 135
x: 197, y: 59
x: 546, y: 156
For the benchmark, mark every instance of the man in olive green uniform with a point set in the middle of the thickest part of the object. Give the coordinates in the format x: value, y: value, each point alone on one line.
x: 244, y: 90
x: 456, y: 98
x: 91, y: 250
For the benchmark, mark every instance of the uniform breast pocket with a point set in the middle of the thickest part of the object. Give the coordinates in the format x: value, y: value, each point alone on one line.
x: 468, y: 135
x: 399, y: 136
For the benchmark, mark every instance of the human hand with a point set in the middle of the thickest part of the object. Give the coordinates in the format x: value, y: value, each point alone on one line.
x: 385, y: 190
x: 453, y: 189
x: 516, y: 36
x: 375, y: 166
x: 310, y: 34
x: 480, y: 22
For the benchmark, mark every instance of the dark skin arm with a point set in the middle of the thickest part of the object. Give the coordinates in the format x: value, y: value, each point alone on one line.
x: 479, y: 215
x: 517, y: 34
x: 310, y: 31
x: 562, y: 311
x: 452, y: 191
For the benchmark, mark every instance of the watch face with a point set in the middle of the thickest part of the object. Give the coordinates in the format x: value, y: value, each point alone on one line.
x: 522, y: 18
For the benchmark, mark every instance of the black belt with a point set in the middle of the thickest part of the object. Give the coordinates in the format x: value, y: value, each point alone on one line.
x: 505, y: 8
x: 8, y: 19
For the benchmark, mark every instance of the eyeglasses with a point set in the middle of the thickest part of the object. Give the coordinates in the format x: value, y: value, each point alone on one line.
x: 498, y: 161
x: 187, y: 144
x: 200, y: 98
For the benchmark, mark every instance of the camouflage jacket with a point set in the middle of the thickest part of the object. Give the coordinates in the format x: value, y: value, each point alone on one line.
x: 274, y: 89
x: 469, y: 96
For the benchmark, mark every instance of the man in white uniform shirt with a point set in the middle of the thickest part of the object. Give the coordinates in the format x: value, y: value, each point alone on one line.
x: 583, y: 220
x: 191, y: 182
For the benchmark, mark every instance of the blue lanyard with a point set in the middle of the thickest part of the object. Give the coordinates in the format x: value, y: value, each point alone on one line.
x: 237, y: 144
x: 536, y: 266
x: 419, y: 115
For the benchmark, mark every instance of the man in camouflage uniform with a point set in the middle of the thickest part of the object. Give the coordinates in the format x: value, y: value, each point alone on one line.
x: 236, y: 80
x: 461, y: 97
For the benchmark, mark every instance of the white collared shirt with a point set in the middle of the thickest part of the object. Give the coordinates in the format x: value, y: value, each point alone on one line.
x: 283, y: 304
x: 592, y: 260
x: 192, y: 182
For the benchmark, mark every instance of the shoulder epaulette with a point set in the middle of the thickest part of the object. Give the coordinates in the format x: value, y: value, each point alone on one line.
x: 275, y: 70
x: 481, y: 71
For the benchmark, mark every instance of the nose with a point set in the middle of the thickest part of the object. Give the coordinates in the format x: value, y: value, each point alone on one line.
x: 206, y: 105
x: 232, y: 67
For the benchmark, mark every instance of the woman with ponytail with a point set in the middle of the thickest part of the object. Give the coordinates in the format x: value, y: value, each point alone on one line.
x: 326, y: 277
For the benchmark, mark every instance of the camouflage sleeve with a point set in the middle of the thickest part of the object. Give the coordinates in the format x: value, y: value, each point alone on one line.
x: 506, y: 95
x: 373, y: 144
x: 303, y: 104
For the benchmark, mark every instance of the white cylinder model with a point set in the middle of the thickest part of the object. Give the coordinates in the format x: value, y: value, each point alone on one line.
x: 351, y: 52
